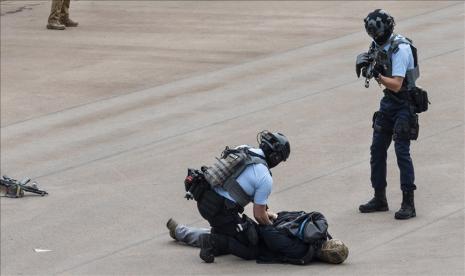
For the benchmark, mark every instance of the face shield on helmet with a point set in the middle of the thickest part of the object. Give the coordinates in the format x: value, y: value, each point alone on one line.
x: 379, y: 25
x: 275, y: 146
x: 333, y: 251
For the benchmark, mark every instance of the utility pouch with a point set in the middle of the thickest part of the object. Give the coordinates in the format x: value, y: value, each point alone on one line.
x: 377, y: 117
x: 225, y: 166
x: 414, y: 127
x: 195, y: 184
x: 419, y: 99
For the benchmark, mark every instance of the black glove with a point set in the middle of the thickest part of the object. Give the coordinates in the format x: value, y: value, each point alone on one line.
x: 363, y: 60
x: 375, y: 73
x: 364, y: 72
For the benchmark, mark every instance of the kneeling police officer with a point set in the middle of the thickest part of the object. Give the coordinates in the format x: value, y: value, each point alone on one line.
x: 242, y: 175
x: 392, y: 61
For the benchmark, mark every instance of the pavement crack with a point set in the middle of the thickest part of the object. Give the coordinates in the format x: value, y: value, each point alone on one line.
x: 20, y: 9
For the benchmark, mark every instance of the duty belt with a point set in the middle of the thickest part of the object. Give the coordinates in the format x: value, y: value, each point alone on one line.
x: 399, y: 97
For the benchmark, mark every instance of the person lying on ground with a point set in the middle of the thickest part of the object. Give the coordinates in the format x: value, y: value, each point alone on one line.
x: 294, y: 237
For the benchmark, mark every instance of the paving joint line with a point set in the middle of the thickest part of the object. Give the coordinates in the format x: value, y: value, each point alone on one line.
x: 199, y: 220
x: 217, y: 70
x: 216, y: 123
x: 357, y: 163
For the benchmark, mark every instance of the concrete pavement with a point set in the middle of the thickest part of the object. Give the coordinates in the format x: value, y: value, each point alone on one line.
x: 108, y: 116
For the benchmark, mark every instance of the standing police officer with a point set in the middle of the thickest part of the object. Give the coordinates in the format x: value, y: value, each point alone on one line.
x: 392, y: 61
x: 242, y: 175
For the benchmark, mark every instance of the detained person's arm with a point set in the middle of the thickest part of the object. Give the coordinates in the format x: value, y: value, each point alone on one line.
x: 272, y: 216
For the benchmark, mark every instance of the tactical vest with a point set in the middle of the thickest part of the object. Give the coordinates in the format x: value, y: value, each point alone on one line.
x: 227, y: 168
x: 385, y: 59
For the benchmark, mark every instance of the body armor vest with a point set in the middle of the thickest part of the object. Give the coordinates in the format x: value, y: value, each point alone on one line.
x: 227, y: 168
x: 384, y: 58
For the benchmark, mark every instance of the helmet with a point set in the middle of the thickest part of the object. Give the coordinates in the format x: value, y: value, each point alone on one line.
x: 334, y: 251
x: 379, y: 25
x: 275, y: 146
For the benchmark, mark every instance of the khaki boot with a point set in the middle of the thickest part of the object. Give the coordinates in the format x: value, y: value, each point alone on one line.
x: 55, y: 25
x: 68, y: 22
x: 171, y: 225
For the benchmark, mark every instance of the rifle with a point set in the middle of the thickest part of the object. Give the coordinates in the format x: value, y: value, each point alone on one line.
x: 15, y: 188
x: 374, y: 56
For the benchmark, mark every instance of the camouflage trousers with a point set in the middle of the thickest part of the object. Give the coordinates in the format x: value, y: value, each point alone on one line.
x: 59, y: 11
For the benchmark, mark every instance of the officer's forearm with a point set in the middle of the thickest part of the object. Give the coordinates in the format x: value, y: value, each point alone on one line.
x: 263, y: 220
x: 394, y: 84
x: 260, y: 214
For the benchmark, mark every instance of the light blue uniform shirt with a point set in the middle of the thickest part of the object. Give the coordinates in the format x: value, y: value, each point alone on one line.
x: 402, y: 60
x: 255, y: 180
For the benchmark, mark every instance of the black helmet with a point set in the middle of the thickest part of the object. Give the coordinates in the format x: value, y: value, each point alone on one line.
x: 275, y: 146
x: 379, y: 25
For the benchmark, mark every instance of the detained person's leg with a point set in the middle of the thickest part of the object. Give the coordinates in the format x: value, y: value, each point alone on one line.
x: 186, y: 234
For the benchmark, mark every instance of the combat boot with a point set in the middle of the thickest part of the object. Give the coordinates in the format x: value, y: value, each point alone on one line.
x: 171, y: 225
x: 68, y: 22
x: 55, y: 25
x: 407, y: 208
x: 212, y: 245
x: 206, y: 248
x: 377, y: 204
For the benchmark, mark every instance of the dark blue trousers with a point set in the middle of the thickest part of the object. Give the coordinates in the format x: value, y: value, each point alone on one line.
x: 392, y: 123
x: 279, y: 244
x: 274, y: 246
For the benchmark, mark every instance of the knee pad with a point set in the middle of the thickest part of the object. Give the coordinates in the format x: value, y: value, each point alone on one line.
x: 401, y: 130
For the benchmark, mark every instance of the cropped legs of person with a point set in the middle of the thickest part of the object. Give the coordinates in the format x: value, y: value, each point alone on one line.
x: 59, y: 16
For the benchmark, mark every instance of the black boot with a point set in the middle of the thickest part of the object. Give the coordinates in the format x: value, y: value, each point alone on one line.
x: 212, y: 245
x: 376, y: 204
x: 206, y: 248
x: 407, y: 209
